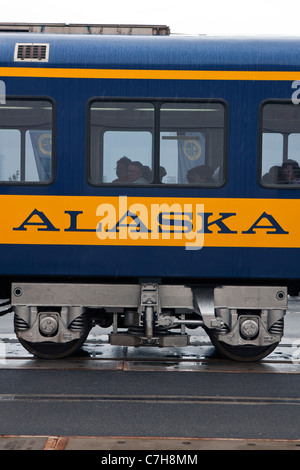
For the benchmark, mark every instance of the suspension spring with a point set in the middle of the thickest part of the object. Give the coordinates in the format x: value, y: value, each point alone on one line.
x: 277, y: 327
x: 78, y: 324
x: 20, y: 324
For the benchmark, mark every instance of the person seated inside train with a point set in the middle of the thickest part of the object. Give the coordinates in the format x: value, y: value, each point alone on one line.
x: 162, y: 173
x: 201, y: 174
x: 289, y: 173
x: 122, y: 170
x: 272, y: 176
x: 147, y: 173
x: 136, y: 173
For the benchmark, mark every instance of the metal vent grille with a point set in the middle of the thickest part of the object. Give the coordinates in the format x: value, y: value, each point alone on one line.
x: 32, y: 52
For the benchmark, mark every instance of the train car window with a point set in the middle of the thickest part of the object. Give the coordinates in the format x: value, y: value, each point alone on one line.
x: 156, y: 142
x: 121, y: 142
x: 10, y: 144
x: 192, y: 143
x: 280, y: 144
x: 26, y: 141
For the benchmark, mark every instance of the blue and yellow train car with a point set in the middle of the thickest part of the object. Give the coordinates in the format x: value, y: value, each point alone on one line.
x: 150, y: 182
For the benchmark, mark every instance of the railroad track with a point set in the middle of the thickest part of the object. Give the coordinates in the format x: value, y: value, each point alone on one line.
x: 154, y: 450
x: 199, y: 356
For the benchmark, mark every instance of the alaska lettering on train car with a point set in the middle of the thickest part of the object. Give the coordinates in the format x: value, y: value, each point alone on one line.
x: 43, y: 223
x: 167, y: 222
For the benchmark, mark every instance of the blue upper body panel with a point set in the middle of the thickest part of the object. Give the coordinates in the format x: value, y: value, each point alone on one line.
x: 159, y: 52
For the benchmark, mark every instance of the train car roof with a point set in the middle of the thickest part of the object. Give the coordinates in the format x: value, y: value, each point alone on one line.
x: 154, y: 52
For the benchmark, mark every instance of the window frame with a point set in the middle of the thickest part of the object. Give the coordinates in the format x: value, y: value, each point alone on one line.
x: 157, y: 104
x: 53, y: 147
x: 271, y: 186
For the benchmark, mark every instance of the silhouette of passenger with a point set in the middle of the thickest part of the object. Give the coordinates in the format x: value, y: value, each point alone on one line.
x: 289, y: 172
x: 162, y: 173
x: 122, y: 170
x: 136, y: 173
x: 200, y: 174
x: 147, y: 174
x: 272, y: 176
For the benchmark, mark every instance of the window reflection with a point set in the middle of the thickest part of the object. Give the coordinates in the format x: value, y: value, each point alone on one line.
x: 280, y: 156
x: 161, y: 143
x: 26, y: 141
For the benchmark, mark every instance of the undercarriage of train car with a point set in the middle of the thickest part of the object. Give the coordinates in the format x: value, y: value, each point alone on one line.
x: 244, y: 323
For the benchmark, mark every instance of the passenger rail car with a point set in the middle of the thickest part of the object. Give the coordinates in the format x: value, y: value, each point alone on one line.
x: 150, y: 183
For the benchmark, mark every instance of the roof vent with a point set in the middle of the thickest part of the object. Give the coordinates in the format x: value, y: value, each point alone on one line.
x: 31, y: 52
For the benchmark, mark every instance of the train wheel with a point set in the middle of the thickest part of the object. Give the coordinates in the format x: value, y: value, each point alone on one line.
x: 53, y: 350
x: 47, y: 349
x: 245, y: 353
